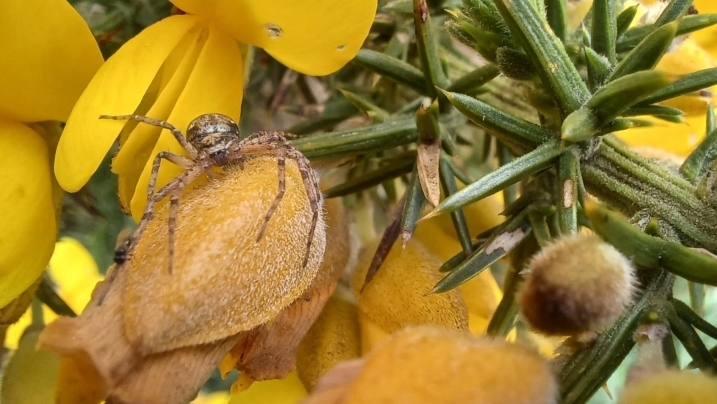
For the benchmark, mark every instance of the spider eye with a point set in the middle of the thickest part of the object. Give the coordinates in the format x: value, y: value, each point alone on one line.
x: 220, y: 157
x: 207, y: 129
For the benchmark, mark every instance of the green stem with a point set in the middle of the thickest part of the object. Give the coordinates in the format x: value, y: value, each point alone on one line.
x: 38, y: 318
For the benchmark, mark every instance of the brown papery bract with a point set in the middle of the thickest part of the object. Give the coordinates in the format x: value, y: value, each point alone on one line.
x: 156, y: 337
x: 269, y: 351
x: 224, y: 281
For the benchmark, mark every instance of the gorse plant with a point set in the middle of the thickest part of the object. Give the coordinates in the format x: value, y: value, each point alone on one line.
x: 447, y: 103
x: 551, y: 98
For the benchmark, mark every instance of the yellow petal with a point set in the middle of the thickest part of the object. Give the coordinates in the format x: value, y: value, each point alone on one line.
x: 75, y: 272
x: 706, y: 37
x: 117, y: 88
x: 679, y: 139
x: 284, y: 391
x: 136, y: 149
x: 30, y: 375
x: 48, y: 57
x: 216, y: 85
x: 27, y: 222
x: 316, y: 37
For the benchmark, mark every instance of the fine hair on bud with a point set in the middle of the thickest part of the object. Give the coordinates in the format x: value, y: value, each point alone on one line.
x: 577, y: 284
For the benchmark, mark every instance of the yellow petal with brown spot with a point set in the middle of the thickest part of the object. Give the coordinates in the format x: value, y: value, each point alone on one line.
x: 315, y: 38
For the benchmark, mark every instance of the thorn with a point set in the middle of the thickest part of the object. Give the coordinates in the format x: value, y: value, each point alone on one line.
x: 430, y: 215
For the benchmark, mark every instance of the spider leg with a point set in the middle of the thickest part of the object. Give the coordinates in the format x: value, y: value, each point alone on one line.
x: 275, y: 144
x: 173, y: 189
x: 281, y: 162
x: 173, y: 209
x: 191, y: 150
x: 153, y: 198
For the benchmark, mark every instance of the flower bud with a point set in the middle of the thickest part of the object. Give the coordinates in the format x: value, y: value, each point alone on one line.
x: 429, y: 364
x: 671, y: 387
x: 577, y: 284
x: 395, y: 298
x: 334, y: 337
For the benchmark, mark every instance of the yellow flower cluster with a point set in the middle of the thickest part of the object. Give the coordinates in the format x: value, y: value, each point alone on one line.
x: 192, y: 64
x: 48, y: 57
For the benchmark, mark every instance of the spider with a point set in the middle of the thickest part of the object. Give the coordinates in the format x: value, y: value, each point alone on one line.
x: 213, y: 141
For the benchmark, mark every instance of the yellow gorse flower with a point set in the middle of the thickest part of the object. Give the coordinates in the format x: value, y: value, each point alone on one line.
x: 74, y: 272
x: 48, y: 57
x: 188, y: 65
x: 696, y: 52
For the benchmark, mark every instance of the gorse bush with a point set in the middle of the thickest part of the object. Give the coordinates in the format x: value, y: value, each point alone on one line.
x: 480, y: 174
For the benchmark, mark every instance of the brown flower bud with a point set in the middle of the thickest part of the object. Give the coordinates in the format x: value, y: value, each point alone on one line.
x: 577, y: 284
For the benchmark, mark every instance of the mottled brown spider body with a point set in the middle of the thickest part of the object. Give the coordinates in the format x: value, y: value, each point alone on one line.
x: 213, y: 141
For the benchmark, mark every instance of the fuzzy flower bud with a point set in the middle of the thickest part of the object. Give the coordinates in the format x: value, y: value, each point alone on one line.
x: 575, y: 285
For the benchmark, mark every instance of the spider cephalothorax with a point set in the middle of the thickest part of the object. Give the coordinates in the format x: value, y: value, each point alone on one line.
x: 218, y: 136
x: 213, y: 141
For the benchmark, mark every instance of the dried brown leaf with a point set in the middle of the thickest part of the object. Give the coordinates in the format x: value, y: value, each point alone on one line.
x: 429, y: 157
x: 99, y: 362
x: 224, y: 282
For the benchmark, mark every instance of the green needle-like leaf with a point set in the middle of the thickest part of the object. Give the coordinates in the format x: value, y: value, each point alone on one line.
x: 485, y: 42
x: 557, y: 14
x: 686, y: 313
x: 448, y: 182
x: 567, y: 197
x: 392, y: 68
x: 691, y: 341
x: 547, y: 53
x: 646, y: 55
x: 491, y: 251
x: 649, y: 251
x: 366, y: 106
x: 334, y: 112
x: 598, y: 68
x: 697, y: 163
x: 624, y: 19
x: 471, y: 82
x: 502, y: 177
x: 604, y: 29
x: 619, y: 95
x: 686, y: 84
x: 372, y: 178
x: 427, y: 48
x: 504, y: 126
x: 654, y: 110
x: 415, y: 201
x: 687, y: 24
x: 673, y: 11
x: 49, y: 296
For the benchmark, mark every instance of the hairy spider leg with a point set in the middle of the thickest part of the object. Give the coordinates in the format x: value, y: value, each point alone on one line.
x: 188, y: 147
x: 275, y: 144
x: 174, y: 189
x: 152, y: 199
